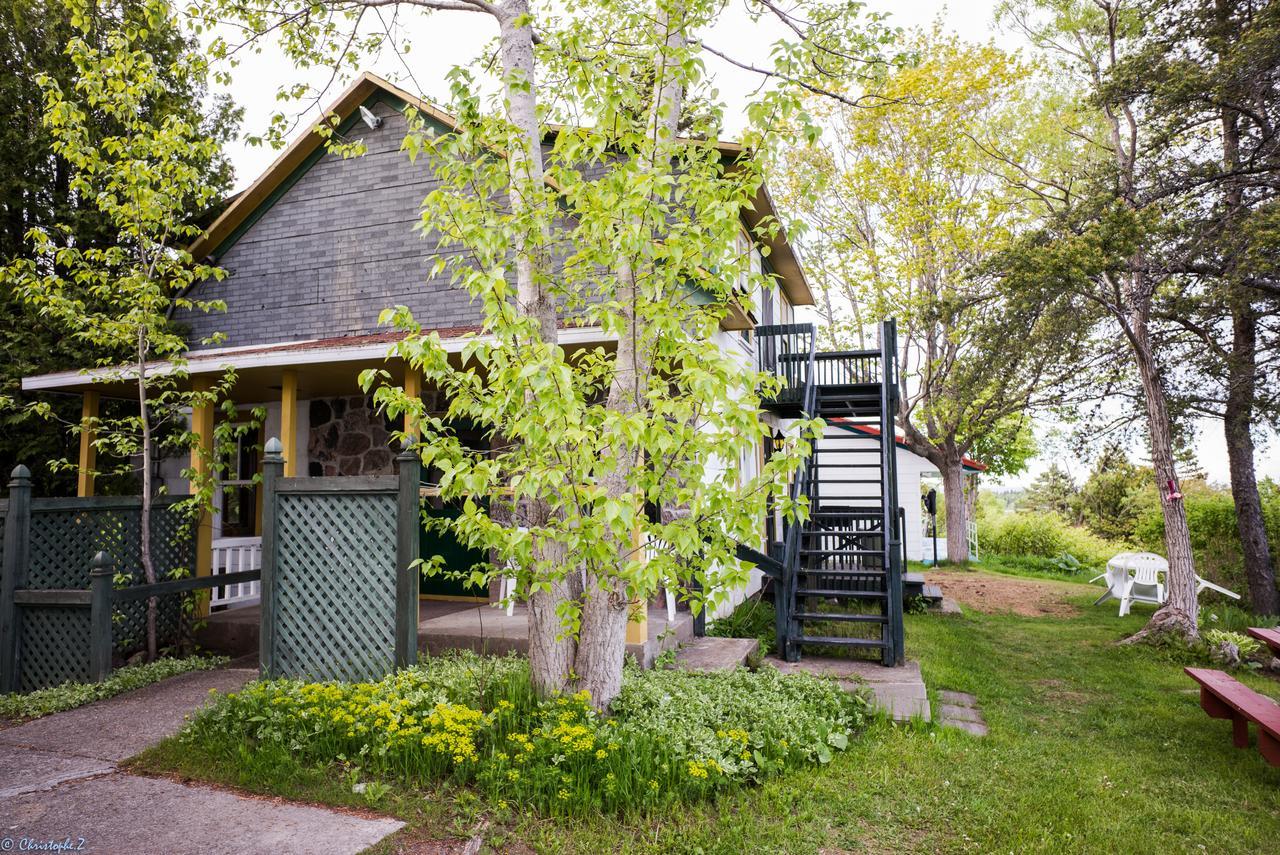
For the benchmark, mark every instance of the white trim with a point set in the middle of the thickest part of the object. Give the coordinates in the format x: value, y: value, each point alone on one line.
x: 283, y: 354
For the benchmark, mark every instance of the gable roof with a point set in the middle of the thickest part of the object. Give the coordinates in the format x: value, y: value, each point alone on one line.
x: 243, y: 208
x: 969, y: 464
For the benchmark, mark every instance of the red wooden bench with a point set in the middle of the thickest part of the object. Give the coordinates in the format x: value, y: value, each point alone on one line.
x: 1269, y: 637
x: 1222, y: 696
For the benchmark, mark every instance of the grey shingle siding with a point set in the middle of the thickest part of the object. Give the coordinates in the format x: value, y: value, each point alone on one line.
x: 333, y: 251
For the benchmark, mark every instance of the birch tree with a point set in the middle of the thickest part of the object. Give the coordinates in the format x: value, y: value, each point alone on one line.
x: 613, y: 222
x: 145, y: 178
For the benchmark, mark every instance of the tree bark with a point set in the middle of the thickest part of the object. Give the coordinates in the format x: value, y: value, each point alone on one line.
x: 1179, y: 614
x: 1242, y: 366
x: 551, y: 649
x: 148, y: 567
x: 602, y: 641
x: 1237, y: 421
x: 957, y: 511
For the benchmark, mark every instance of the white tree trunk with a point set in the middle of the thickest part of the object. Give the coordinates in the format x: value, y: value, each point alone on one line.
x: 602, y: 641
x: 551, y: 651
x: 148, y: 567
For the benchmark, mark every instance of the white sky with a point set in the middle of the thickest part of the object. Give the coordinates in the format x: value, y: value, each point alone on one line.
x: 443, y: 40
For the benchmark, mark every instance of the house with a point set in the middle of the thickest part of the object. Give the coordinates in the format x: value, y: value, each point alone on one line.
x: 315, y: 249
x: 916, y: 476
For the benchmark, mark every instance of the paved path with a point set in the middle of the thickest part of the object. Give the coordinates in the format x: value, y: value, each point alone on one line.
x: 58, y: 780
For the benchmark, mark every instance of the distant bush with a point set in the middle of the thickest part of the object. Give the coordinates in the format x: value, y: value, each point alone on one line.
x: 1215, y: 540
x: 1048, y: 536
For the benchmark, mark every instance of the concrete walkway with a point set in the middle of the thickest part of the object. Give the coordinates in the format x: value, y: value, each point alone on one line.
x: 59, y: 781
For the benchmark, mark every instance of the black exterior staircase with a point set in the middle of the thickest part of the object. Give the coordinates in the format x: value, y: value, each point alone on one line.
x: 843, y: 565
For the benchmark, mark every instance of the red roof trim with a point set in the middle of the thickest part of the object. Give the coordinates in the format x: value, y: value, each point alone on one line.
x: 870, y: 430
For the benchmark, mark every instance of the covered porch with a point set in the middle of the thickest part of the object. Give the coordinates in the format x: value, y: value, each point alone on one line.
x: 313, y: 401
x: 452, y: 625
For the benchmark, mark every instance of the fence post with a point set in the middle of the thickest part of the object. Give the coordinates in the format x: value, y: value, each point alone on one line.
x: 272, y: 471
x: 13, y: 573
x: 408, y: 522
x: 102, y: 573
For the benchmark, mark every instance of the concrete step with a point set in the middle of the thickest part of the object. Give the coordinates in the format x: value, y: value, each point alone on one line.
x: 708, y: 654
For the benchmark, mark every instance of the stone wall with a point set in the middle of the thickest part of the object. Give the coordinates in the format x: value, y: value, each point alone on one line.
x: 348, y: 437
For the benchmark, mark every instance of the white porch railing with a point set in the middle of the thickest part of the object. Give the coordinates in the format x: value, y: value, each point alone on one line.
x: 234, y: 555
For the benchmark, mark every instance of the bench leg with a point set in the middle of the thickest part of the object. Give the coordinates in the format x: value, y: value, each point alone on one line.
x: 1213, y: 705
x: 1216, y: 708
x: 1239, y: 731
x: 1269, y: 747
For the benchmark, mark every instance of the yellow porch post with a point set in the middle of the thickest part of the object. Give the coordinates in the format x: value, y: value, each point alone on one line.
x: 289, y: 420
x: 201, y: 459
x: 88, y: 451
x: 412, y: 389
x: 638, y: 613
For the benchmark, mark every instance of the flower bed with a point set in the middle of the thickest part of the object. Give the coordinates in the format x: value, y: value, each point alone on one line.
x: 672, y: 736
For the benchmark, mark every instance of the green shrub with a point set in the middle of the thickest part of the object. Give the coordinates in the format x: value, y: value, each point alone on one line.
x: 71, y: 695
x: 672, y: 736
x: 1048, y: 536
x: 1215, y: 539
x: 1232, y: 618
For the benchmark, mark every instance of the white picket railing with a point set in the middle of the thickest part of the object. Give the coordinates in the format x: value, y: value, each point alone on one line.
x: 233, y: 555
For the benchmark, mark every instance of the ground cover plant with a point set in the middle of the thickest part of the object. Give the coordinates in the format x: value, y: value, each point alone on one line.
x: 670, y: 737
x: 1094, y: 747
x: 70, y: 695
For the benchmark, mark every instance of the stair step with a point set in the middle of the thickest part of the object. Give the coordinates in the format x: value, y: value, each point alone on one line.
x: 841, y: 642
x: 848, y: 553
x: 838, y: 616
x: 845, y: 571
x: 834, y: 594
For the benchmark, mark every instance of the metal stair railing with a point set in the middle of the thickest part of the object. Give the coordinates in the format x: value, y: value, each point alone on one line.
x: 784, y: 599
x: 894, y: 652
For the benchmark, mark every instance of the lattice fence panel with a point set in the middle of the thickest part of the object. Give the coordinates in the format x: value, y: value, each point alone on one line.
x: 65, y: 539
x: 54, y: 647
x: 334, y: 588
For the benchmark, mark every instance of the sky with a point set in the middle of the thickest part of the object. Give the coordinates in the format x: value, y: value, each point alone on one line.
x: 443, y: 40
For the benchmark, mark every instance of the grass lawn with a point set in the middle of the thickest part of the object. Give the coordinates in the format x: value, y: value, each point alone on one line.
x: 1093, y: 748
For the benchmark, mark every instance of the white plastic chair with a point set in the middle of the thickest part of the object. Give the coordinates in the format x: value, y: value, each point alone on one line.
x: 1145, y: 585
x: 1117, y: 576
x: 1201, y: 584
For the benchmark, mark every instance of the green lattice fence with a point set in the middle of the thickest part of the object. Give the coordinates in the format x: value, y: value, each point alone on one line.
x: 48, y: 546
x: 339, y: 589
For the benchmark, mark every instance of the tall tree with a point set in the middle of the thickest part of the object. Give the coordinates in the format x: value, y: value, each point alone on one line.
x: 1053, y: 491
x: 144, y: 178
x: 36, y: 192
x: 1112, y: 206
x: 1207, y: 74
x: 915, y: 206
x: 617, y: 223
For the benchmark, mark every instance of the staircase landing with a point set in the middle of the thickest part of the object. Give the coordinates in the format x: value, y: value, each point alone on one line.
x: 899, y: 692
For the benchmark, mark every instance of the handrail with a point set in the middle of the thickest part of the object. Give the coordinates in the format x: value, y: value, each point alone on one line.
x: 792, y: 536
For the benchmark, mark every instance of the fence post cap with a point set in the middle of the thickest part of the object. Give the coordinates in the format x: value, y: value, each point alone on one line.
x: 20, y: 473
x: 274, y: 446
x: 100, y: 565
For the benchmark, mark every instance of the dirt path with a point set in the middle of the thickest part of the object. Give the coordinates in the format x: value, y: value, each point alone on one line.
x: 989, y: 592
x: 60, y: 787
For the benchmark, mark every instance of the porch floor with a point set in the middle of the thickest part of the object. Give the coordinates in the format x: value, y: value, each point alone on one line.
x: 451, y: 626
